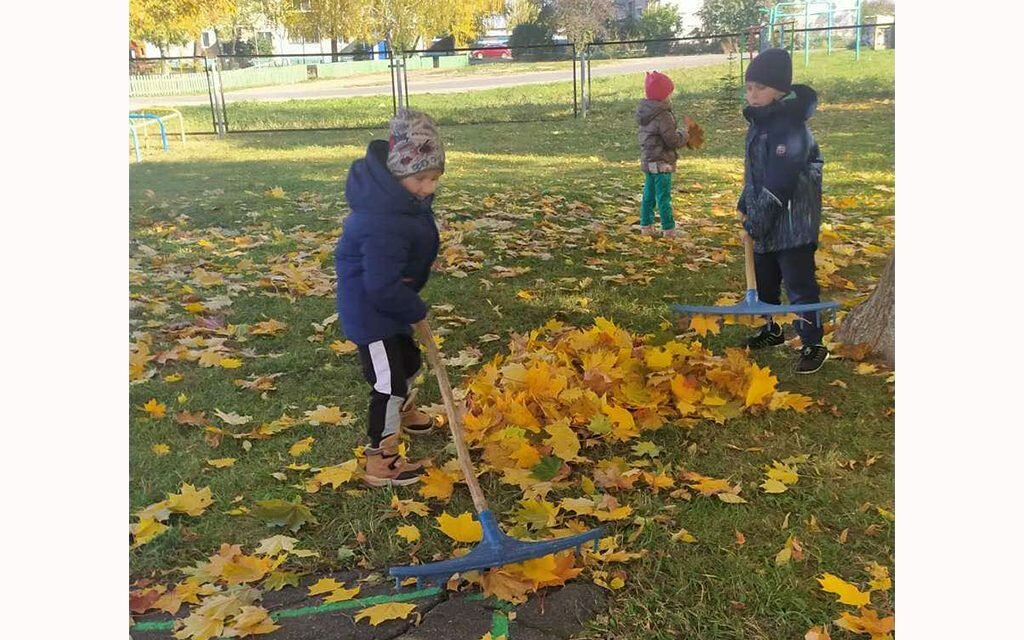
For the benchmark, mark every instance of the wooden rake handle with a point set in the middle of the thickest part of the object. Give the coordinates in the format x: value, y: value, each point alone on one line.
x: 748, y: 260
x: 426, y: 337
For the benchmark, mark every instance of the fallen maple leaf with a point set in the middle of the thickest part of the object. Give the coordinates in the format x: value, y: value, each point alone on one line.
x: 694, y: 133
x: 275, y: 544
x: 384, y: 612
x: 160, y: 449
x: 232, y: 418
x: 405, y: 507
x: 462, y: 528
x: 156, y: 410
x: 341, y: 595
x: 221, y: 463
x: 867, y: 622
x: 280, y: 513
x: 324, y: 585
x: 301, y: 446
x: 267, y: 328
x: 704, y: 324
x: 409, y: 532
x: 683, y: 536
x: 848, y: 593
x: 437, y: 483
x: 190, y: 500
x: 328, y: 415
x: 343, y: 348
x: 252, y: 620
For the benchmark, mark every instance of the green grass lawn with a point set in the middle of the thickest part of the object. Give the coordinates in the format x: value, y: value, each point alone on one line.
x: 557, y: 197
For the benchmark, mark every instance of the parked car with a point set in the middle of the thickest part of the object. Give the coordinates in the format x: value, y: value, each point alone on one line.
x: 491, y: 51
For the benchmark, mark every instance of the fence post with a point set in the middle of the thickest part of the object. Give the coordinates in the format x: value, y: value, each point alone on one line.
x: 585, y: 79
x: 575, y: 107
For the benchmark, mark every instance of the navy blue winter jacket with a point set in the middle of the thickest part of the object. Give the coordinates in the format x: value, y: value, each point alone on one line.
x: 383, y: 258
x: 782, y: 173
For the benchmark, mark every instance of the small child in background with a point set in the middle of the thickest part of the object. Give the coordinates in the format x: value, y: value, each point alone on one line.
x: 659, y: 137
x: 780, y: 206
x: 383, y: 260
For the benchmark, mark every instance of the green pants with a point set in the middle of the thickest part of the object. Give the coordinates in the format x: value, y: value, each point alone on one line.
x: 657, y: 188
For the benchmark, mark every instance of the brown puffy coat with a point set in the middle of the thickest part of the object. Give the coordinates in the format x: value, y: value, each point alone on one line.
x: 659, y: 136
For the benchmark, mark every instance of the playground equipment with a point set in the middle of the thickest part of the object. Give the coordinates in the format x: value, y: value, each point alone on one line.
x: 141, y: 120
x: 495, y: 548
x: 782, y: 13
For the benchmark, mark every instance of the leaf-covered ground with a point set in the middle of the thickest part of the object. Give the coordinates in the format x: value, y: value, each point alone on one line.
x: 742, y: 500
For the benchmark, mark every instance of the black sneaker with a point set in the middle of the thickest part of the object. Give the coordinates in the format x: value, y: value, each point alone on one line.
x: 811, y: 358
x: 770, y: 335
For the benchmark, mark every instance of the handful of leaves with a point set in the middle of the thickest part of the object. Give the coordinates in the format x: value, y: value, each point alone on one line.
x: 695, y: 135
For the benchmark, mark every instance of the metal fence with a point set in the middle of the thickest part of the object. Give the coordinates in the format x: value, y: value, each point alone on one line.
x: 485, y: 84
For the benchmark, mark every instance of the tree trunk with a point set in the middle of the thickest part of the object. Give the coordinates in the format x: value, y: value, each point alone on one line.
x: 873, y: 322
x: 334, y: 48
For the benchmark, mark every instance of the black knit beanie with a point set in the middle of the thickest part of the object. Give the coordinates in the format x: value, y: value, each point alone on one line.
x: 772, y: 68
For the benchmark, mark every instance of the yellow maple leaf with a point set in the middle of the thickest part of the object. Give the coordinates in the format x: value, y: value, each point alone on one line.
x: 771, y: 485
x: 243, y: 568
x: 563, y: 441
x: 210, y: 359
x: 788, y: 400
x: 540, y: 570
x: 174, y: 377
x: 145, y: 530
x: 437, y: 483
x: 267, y: 328
x: 195, y: 307
x: 537, y: 514
x: 462, y: 528
x: 160, y: 449
x: 409, y: 532
x: 199, y: 627
x: 782, y: 472
x: 503, y: 584
x: 683, y: 536
x: 760, y: 384
x: 190, y: 500
x: 731, y: 498
x: 328, y: 415
x: 580, y: 506
x: 338, y: 474
x: 221, y: 463
x: 230, y: 363
x: 657, y: 359
x: 405, y: 507
x: 880, y: 580
x: 341, y: 595
x: 867, y: 622
x: 275, y: 544
x: 865, y: 369
x: 848, y: 593
x: 619, y: 513
x: 704, y: 324
x: 623, y: 424
x: 523, y: 294
x: 324, y: 585
x: 276, y: 192
x: 343, y: 348
x: 252, y: 620
x: 156, y: 410
x: 302, y: 446
x: 383, y: 612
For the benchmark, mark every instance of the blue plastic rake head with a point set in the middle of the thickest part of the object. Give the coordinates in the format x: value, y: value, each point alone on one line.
x: 752, y: 306
x: 494, y: 549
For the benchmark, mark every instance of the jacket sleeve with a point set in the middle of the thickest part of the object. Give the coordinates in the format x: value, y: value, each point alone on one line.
x: 669, y: 131
x: 762, y: 217
x: 384, y: 258
x: 788, y: 153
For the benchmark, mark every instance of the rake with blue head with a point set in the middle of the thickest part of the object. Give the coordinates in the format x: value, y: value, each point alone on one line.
x: 496, y: 548
x: 751, y: 305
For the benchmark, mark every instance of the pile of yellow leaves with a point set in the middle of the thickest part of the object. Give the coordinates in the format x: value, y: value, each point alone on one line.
x: 535, y: 412
x: 563, y: 389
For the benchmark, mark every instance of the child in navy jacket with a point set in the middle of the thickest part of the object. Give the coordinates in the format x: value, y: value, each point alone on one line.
x: 780, y: 206
x: 383, y: 260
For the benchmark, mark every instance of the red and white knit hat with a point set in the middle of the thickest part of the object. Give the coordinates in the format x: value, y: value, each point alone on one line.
x: 414, y: 144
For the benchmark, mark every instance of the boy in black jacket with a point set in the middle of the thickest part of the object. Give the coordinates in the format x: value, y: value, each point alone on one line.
x: 780, y: 206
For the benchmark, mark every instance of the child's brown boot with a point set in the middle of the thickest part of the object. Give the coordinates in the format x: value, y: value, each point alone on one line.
x: 385, y: 467
x: 414, y: 421
x: 647, y: 230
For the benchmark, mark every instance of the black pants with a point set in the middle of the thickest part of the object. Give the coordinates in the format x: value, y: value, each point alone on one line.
x: 794, y: 268
x: 390, y: 366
